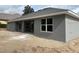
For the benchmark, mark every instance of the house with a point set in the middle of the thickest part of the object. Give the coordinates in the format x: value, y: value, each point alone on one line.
x: 4, y: 18
x: 51, y: 23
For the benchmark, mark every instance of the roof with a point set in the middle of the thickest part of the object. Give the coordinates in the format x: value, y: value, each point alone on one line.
x: 46, y: 12
x: 8, y: 17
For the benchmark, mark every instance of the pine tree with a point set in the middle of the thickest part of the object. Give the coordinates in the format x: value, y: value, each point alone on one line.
x: 28, y: 9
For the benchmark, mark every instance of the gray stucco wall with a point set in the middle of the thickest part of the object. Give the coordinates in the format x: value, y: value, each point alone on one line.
x: 58, y: 31
x: 11, y: 26
x: 65, y: 28
x: 72, y: 28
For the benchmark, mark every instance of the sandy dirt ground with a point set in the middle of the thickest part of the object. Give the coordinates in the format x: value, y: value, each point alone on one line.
x: 16, y: 42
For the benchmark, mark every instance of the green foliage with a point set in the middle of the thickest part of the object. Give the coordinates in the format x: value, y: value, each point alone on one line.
x: 3, y: 25
x: 27, y: 10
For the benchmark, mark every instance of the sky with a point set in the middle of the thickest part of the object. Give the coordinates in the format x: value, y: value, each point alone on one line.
x: 13, y: 9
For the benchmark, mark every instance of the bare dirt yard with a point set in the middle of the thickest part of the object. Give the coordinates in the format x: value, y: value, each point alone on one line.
x: 16, y: 42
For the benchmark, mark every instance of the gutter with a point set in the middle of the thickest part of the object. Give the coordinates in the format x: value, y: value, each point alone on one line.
x: 52, y: 14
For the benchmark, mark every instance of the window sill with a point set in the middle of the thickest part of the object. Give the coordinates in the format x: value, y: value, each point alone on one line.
x: 47, y: 31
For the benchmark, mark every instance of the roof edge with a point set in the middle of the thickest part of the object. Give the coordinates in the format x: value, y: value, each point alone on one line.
x: 52, y: 14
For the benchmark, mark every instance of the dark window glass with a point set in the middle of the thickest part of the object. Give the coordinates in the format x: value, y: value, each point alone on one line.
x: 43, y: 21
x: 49, y: 21
x: 49, y: 28
x: 43, y: 28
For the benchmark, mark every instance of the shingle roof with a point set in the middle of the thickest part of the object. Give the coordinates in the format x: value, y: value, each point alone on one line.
x: 40, y: 13
x: 43, y: 13
x: 4, y: 16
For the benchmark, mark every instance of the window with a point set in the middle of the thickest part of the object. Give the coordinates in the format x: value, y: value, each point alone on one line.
x: 43, y: 28
x: 49, y: 21
x: 43, y: 21
x: 47, y: 25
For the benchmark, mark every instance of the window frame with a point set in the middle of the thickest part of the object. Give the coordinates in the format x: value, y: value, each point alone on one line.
x: 46, y: 25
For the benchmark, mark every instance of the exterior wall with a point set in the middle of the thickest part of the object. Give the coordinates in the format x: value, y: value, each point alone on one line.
x: 65, y: 28
x: 58, y: 31
x: 11, y: 26
x: 72, y: 28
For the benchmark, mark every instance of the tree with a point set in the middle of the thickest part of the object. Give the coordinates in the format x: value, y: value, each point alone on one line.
x: 27, y: 10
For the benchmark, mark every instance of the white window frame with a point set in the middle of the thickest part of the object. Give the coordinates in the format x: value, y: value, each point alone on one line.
x: 46, y: 26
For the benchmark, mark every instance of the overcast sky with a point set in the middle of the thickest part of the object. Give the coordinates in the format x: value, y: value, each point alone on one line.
x: 19, y: 8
